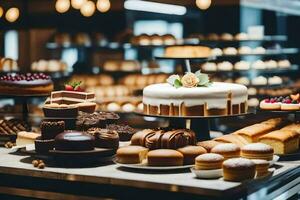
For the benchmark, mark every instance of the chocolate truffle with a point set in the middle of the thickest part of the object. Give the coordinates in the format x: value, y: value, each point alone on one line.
x: 50, y: 129
x: 125, y: 132
x: 105, y: 138
x: 74, y: 141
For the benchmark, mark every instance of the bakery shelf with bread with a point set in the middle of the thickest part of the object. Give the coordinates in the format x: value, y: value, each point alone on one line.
x: 8, y: 65
x: 238, y: 37
x: 49, y: 66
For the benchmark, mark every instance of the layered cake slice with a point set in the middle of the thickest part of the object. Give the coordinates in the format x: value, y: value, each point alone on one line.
x: 73, y: 96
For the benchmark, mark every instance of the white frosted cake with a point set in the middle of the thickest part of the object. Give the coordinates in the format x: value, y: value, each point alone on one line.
x: 211, y: 99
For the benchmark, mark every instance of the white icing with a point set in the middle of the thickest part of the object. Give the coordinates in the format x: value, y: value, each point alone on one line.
x: 238, y: 162
x: 225, y: 148
x: 214, y: 96
x: 210, y: 157
x: 257, y: 147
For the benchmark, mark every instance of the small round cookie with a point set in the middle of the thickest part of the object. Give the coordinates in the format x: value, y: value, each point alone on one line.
x: 209, y: 161
x: 227, y: 150
x: 165, y: 157
x: 131, y: 154
x: 190, y: 153
x: 238, y: 169
x: 257, y: 151
x: 261, y: 167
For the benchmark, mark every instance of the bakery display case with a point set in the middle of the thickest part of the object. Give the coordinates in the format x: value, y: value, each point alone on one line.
x: 131, y: 99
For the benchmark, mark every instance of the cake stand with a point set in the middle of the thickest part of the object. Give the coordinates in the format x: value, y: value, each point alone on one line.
x: 186, y: 62
x: 23, y: 99
x: 199, y: 124
x: 295, y: 113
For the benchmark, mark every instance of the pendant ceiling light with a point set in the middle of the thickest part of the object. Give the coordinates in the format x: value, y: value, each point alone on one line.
x: 103, y: 5
x: 88, y: 9
x: 77, y: 4
x: 62, y: 6
x: 12, y: 14
x: 1, y: 11
x: 203, y: 4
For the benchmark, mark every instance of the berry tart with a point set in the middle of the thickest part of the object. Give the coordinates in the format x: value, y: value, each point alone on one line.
x: 288, y: 103
x: 25, y: 84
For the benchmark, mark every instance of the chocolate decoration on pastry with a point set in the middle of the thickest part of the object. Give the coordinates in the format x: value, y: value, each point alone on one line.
x: 139, y: 138
x: 95, y: 120
x: 125, y: 132
x: 153, y: 141
x: 177, y: 138
x: 74, y: 141
x: 105, y: 138
x: 50, y: 129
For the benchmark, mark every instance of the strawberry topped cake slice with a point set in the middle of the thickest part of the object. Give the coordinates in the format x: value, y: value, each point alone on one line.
x: 288, y: 103
x: 73, y: 95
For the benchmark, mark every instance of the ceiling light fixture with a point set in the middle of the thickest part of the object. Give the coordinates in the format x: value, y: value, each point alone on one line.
x: 76, y: 4
x: 1, y: 11
x: 203, y: 4
x: 148, y: 6
x: 12, y: 14
x: 103, y: 5
x: 88, y: 8
x: 62, y: 6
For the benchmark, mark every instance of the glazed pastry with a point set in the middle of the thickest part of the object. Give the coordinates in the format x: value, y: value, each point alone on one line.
x: 190, y: 153
x: 257, y: 151
x: 209, y: 161
x: 139, y: 138
x: 282, y: 141
x: 238, y: 169
x: 74, y: 141
x: 164, y: 157
x: 131, y: 154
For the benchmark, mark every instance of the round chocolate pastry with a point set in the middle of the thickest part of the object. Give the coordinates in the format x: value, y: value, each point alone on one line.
x: 95, y: 120
x: 125, y: 132
x: 26, y: 84
x: 50, y: 129
x: 74, y: 141
x: 43, y: 146
x: 105, y: 138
